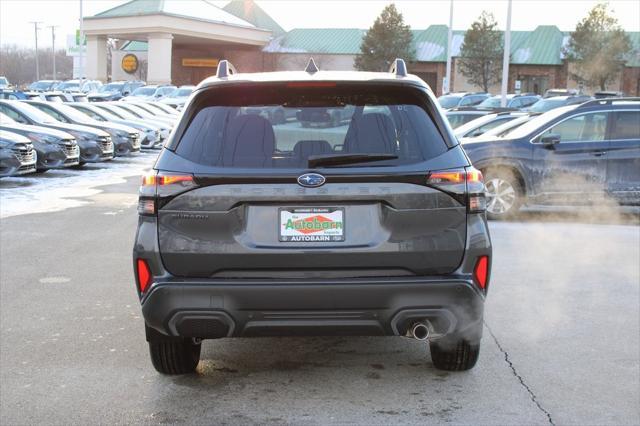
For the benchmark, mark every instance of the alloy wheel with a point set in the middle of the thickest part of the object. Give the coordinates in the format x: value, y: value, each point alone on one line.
x: 501, y: 196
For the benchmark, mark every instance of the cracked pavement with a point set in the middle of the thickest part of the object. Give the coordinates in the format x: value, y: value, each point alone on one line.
x: 560, y: 344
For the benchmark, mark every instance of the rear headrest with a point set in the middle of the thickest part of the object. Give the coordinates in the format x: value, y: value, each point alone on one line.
x: 303, y: 149
x: 371, y: 133
x: 249, y: 141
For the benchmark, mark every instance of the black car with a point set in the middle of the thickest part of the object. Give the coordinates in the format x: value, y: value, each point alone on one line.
x: 54, y: 148
x: 115, y: 91
x: 249, y: 228
x: 570, y: 155
x: 17, y: 156
x: 95, y: 145
x: 126, y: 139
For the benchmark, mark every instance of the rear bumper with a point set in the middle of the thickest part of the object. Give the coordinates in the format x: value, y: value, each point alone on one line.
x: 244, y: 308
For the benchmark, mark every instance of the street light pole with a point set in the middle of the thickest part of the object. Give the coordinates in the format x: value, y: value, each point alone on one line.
x: 447, y: 87
x: 53, y: 47
x: 81, y: 44
x: 505, y: 59
x: 35, y: 26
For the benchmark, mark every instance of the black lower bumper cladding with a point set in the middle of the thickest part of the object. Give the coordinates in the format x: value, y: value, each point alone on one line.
x: 365, y: 307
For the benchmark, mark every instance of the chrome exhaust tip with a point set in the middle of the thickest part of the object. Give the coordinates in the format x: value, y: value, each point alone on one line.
x: 419, y: 331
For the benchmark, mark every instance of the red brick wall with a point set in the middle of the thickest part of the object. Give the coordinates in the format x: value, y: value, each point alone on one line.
x: 556, y: 74
x: 437, y: 68
x: 631, y: 81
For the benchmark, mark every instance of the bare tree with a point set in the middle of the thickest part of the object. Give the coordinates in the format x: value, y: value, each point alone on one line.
x: 18, y: 64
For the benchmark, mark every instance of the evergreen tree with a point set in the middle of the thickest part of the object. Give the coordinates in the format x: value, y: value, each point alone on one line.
x: 598, y: 47
x: 389, y: 38
x: 481, y: 52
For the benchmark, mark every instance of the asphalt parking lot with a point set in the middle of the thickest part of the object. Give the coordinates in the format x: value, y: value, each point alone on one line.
x: 561, y: 342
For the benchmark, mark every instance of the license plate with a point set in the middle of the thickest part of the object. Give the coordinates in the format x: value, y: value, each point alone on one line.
x: 313, y: 224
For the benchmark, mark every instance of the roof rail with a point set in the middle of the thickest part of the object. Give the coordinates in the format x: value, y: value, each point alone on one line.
x: 399, y: 68
x: 311, y: 68
x: 225, y: 69
x: 607, y: 101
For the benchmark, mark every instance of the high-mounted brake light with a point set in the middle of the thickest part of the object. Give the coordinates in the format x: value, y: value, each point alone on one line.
x: 144, y: 275
x: 303, y: 84
x: 481, y: 271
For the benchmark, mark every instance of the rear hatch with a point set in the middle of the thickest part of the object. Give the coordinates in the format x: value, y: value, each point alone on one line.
x: 335, y: 186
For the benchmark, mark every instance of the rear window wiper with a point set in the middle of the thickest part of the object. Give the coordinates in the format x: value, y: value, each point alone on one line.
x: 340, y: 159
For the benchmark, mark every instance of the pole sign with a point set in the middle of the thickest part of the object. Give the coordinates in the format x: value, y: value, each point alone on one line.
x: 129, y: 63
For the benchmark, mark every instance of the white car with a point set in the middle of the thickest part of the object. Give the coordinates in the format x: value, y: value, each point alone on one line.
x: 150, y: 93
x: 179, y: 96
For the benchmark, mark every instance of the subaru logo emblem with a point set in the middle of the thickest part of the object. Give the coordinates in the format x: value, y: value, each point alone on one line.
x: 311, y: 180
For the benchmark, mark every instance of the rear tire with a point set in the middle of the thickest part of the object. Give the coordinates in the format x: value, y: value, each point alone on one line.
x: 179, y: 356
x: 457, y: 355
x: 505, y: 194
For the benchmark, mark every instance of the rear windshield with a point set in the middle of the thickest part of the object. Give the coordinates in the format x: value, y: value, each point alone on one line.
x: 281, y: 127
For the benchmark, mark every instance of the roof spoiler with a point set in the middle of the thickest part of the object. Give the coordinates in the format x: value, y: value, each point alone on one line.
x: 225, y: 69
x: 607, y: 101
x: 399, y: 68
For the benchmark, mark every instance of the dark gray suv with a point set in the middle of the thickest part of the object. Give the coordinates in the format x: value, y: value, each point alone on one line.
x: 374, y: 227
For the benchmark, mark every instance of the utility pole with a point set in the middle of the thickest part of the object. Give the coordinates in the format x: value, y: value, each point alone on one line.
x: 505, y: 59
x: 447, y: 86
x: 81, y: 46
x: 53, y: 47
x: 35, y: 26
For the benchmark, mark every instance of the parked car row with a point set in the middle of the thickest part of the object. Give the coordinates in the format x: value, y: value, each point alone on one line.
x: 94, y: 91
x: 464, y: 107
x: 39, y: 134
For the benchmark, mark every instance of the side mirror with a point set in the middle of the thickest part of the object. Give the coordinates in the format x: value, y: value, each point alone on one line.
x: 550, y: 140
x: 126, y: 93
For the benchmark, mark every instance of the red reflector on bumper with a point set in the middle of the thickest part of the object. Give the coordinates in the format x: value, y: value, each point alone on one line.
x: 481, y: 271
x: 144, y: 275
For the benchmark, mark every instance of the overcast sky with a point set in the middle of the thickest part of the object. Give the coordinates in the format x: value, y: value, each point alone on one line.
x: 527, y: 14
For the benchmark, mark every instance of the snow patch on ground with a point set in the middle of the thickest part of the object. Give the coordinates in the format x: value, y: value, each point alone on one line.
x: 61, y: 189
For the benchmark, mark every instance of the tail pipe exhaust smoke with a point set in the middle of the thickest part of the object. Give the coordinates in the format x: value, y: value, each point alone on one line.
x: 419, y: 331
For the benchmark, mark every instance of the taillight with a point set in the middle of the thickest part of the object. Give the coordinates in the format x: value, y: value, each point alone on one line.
x: 469, y: 175
x: 481, y: 271
x: 158, y: 186
x: 161, y: 180
x: 459, y: 182
x: 143, y: 274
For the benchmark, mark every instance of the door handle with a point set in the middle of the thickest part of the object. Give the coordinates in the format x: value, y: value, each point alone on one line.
x: 599, y: 153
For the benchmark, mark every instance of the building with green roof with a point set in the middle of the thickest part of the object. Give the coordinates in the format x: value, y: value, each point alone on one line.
x: 186, y: 39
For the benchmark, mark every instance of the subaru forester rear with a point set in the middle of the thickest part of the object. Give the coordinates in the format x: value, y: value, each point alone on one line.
x: 367, y: 220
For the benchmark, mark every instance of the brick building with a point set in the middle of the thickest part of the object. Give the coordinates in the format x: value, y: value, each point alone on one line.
x: 182, y: 45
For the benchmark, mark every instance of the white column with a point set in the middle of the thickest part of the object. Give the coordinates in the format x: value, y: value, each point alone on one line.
x: 96, y: 68
x: 159, y: 58
x: 447, y: 79
x: 505, y: 59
